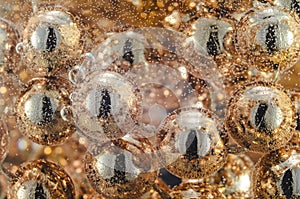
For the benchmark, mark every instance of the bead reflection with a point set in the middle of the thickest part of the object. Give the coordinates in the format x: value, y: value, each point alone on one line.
x: 39, y: 111
x: 268, y: 38
x: 122, y: 170
x: 260, y: 117
x: 41, y: 179
x: 106, y: 105
x: 52, y: 40
x: 278, y: 177
x: 190, y: 143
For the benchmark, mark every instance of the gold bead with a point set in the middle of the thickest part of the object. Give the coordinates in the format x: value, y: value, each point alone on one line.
x: 121, y: 169
x: 276, y: 174
x: 213, y: 37
x: 40, y: 111
x: 268, y: 38
x: 190, y: 143
x: 260, y: 117
x: 52, y: 40
x: 106, y: 105
x: 41, y: 179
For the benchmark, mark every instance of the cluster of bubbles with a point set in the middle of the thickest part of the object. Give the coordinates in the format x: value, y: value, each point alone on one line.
x: 156, y: 105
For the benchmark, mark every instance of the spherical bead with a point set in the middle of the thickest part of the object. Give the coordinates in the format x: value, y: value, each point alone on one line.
x: 52, y: 40
x: 191, y: 144
x: 41, y: 179
x: 260, y: 117
x: 268, y: 38
x: 276, y: 174
x: 106, y: 105
x: 40, y: 111
x: 121, y: 169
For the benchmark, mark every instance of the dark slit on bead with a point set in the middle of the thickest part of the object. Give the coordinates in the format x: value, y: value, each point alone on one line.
x: 213, y: 45
x: 47, y: 112
x: 127, y: 52
x: 271, y: 38
x: 260, y: 122
x: 39, y: 192
x: 298, y: 122
x: 51, y: 40
x: 105, y: 105
x: 287, y: 184
x: 119, y: 170
x: 191, y: 146
x: 296, y: 7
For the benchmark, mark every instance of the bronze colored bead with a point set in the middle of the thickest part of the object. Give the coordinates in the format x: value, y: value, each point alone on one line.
x: 190, y: 143
x: 106, y: 105
x: 121, y: 169
x: 276, y: 174
x: 40, y: 111
x: 260, y: 117
x: 268, y: 38
x: 53, y: 40
x: 41, y: 179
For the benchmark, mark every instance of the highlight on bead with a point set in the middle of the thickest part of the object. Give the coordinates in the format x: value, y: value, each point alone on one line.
x: 41, y: 179
x: 260, y: 117
x: 39, y: 111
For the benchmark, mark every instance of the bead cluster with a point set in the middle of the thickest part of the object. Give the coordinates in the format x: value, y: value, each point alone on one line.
x: 150, y: 99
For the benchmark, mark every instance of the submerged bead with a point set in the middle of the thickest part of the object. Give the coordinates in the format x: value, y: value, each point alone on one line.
x: 260, y: 117
x: 191, y: 144
x: 268, y: 38
x: 41, y: 179
x: 52, y: 40
x: 39, y: 111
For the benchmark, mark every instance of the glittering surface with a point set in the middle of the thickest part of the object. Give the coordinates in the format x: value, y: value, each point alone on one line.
x: 41, y: 179
x: 175, y: 54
